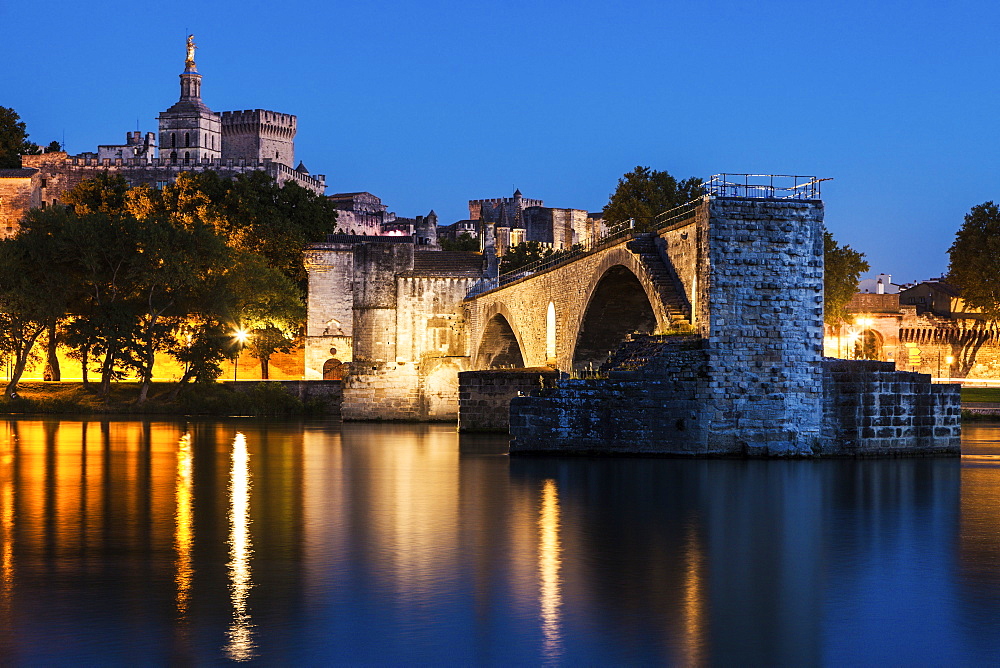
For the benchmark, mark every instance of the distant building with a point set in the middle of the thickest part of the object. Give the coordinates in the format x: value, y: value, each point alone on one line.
x: 880, y: 285
x: 458, y: 228
x: 926, y: 327
x: 362, y: 213
x: 136, y: 147
x: 193, y: 138
x: 518, y: 219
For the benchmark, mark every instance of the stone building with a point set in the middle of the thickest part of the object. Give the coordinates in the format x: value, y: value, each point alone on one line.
x: 926, y: 328
x: 518, y: 219
x: 256, y: 135
x: 363, y: 213
x: 190, y: 132
x: 393, y: 316
x: 502, y: 211
x: 136, y: 147
x: 193, y: 138
x: 20, y: 190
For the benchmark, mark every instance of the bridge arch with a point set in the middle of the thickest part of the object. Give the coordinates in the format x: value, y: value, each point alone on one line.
x: 500, y: 346
x: 618, y: 303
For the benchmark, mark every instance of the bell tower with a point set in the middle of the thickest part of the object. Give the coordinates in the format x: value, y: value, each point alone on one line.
x: 190, y: 132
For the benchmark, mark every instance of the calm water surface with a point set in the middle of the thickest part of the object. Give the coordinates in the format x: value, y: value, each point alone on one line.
x: 284, y: 543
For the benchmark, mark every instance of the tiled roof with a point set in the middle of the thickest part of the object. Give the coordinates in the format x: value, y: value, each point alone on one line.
x: 448, y: 263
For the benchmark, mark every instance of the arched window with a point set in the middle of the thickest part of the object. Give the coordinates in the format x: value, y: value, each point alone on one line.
x: 187, y: 157
x: 187, y: 138
x: 173, y: 139
x: 173, y: 157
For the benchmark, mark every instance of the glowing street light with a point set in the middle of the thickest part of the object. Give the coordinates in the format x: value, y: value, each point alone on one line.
x: 241, y: 335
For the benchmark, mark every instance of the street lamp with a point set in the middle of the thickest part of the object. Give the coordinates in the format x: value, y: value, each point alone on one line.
x: 241, y: 335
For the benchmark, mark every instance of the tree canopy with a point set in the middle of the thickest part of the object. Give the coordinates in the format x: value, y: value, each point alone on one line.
x: 464, y: 242
x: 843, y: 267
x: 133, y: 272
x: 644, y: 193
x: 974, y: 259
x: 13, y: 139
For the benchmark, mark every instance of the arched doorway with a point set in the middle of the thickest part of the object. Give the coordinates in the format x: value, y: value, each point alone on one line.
x: 333, y: 368
x: 499, y: 348
x: 618, y: 307
x: 868, y: 346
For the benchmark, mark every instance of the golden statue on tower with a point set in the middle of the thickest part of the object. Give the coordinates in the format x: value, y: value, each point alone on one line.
x: 189, y: 62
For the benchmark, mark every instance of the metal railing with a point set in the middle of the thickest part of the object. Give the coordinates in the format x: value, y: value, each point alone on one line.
x: 677, y: 214
x: 764, y: 186
x: 620, y: 231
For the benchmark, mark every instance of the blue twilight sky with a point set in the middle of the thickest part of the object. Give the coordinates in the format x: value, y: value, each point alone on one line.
x: 430, y: 104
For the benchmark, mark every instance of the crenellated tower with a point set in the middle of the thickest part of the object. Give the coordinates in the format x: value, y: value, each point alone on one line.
x: 256, y: 135
x: 189, y: 131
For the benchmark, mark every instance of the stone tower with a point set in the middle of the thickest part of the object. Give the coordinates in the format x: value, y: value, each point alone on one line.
x: 256, y: 135
x: 189, y: 131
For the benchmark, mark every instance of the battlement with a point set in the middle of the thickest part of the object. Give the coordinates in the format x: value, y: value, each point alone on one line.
x: 258, y: 117
x: 156, y: 169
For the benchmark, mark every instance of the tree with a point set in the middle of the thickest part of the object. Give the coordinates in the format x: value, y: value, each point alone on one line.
x: 255, y: 214
x: 34, y: 291
x: 106, y: 193
x: 644, y: 193
x: 522, y: 254
x: 267, y: 306
x: 843, y: 267
x: 974, y: 259
x: 53, y: 147
x: 464, y: 242
x: 13, y: 139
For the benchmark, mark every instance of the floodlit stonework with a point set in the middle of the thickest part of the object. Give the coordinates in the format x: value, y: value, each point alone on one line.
x: 749, y: 381
x: 192, y: 138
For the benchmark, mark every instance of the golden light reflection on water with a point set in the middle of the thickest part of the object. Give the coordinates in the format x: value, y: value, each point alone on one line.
x: 694, y: 601
x: 241, y: 646
x: 183, y: 526
x: 6, y: 526
x: 549, y: 562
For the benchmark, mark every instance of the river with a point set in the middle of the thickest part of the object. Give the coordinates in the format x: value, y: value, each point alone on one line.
x: 209, y: 542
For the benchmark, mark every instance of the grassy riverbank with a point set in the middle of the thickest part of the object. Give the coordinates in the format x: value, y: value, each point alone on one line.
x: 259, y: 400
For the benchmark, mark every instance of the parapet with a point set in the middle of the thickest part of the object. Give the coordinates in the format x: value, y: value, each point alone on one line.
x: 258, y: 117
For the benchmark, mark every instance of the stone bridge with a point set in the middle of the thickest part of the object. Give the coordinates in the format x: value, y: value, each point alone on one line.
x: 571, y: 316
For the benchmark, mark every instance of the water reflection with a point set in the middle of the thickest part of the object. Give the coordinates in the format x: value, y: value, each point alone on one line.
x: 241, y: 643
x: 7, y: 450
x: 193, y: 543
x: 550, y: 598
x: 184, y: 531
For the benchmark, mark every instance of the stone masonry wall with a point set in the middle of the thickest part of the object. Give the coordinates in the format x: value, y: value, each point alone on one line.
x: 679, y: 246
x: 650, y: 403
x: 19, y: 191
x: 330, y: 320
x: 484, y: 396
x: 870, y: 409
x: 63, y: 172
x: 756, y: 386
x: 764, y: 325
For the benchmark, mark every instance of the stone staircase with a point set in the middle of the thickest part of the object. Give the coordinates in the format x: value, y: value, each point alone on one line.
x: 663, y: 277
x: 647, y: 351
